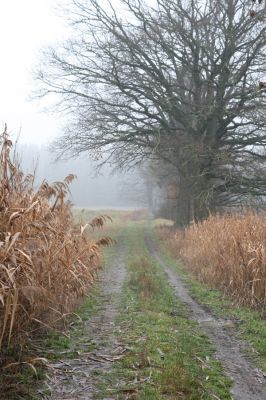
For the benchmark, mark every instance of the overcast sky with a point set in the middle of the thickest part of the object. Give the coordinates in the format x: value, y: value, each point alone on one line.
x: 25, y: 27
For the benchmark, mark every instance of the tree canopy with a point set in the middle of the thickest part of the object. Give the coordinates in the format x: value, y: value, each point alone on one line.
x: 177, y: 80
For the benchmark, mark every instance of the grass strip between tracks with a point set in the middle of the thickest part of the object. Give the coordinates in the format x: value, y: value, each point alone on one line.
x: 167, y: 357
x: 250, y: 323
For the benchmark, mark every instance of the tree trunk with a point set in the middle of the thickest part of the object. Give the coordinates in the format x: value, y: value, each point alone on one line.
x: 185, y: 207
x: 190, y: 205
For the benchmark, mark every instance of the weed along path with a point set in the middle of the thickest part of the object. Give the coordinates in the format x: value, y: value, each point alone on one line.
x: 247, y: 380
x: 146, y: 338
x: 77, y: 378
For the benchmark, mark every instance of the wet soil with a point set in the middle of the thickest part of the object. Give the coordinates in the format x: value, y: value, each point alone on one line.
x: 78, y: 379
x: 248, y: 381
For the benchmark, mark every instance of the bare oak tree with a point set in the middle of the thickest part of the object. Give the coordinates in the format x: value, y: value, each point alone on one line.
x: 178, y: 80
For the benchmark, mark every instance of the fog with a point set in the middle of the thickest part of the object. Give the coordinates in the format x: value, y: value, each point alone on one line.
x: 101, y: 190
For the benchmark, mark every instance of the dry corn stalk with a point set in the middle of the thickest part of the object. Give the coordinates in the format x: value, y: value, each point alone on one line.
x: 46, y: 262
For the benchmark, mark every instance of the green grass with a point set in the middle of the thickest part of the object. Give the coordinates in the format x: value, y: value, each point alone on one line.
x: 168, y: 357
x: 19, y: 374
x: 250, y: 323
x: 69, y: 344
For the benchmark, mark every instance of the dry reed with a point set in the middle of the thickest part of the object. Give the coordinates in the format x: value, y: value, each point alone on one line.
x: 46, y: 262
x: 226, y: 252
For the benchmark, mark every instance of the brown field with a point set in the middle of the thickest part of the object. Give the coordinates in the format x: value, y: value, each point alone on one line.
x: 226, y: 252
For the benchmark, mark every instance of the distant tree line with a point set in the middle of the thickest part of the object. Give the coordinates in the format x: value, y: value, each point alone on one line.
x: 181, y: 83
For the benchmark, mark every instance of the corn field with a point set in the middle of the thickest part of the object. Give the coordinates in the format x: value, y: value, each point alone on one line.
x: 47, y: 262
x: 226, y: 252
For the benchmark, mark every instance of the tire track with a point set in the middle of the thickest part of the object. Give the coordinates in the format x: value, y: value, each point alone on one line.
x: 77, y: 379
x: 248, y: 381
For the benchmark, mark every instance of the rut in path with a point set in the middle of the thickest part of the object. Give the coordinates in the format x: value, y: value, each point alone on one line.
x: 76, y: 379
x: 247, y: 380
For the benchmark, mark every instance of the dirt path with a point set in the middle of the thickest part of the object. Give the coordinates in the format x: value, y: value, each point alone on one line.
x: 248, y: 380
x: 76, y: 379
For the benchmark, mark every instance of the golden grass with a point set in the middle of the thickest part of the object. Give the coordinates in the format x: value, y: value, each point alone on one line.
x: 46, y: 261
x: 226, y: 252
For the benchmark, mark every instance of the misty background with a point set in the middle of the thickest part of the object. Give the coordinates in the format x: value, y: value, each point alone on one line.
x: 23, y: 39
x: 104, y: 189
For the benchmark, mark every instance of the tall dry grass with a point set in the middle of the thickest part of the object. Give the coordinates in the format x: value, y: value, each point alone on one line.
x: 226, y: 252
x: 46, y: 262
